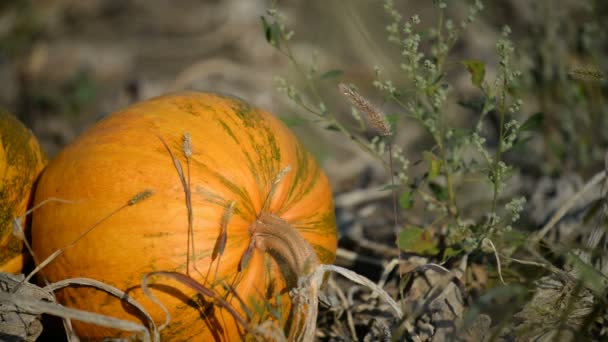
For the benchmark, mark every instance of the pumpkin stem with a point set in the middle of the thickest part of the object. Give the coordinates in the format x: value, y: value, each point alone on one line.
x: 270, y: 233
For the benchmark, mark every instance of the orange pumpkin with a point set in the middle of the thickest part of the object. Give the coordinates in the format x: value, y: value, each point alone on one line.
x: 249, y: 179
x: 21, y: 160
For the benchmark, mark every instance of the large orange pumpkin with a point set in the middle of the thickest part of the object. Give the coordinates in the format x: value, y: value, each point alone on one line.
x: 246, y: 172
x: 21, y: 160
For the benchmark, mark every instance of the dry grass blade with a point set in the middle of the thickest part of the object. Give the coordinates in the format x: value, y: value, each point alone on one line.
x: 36, y: 306
x: 187, y: 148
x: 18, y: 227
x: 277, y: 180
x: 593, y: 183
x: 598, y: 231
x: 361, y: 280
x: 17, y: 221
x: 438, y: 287
x: 220, y: 243
x: 143, y: 195
x: 199, y: 288
x: 132, y: 201
x: 246, y: 257
x: 109, y: 289
x: 388, y: 269
x: 487, y: 244
x: 307, y: 293
x: 271, y: 332
x: 346, y: 304
x: 229, y: 288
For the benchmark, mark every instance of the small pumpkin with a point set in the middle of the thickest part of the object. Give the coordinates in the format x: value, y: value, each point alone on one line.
x: 259, y: 203
x: 21, y: 160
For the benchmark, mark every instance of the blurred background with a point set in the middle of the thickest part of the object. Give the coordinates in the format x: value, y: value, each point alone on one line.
x: 64, y: 64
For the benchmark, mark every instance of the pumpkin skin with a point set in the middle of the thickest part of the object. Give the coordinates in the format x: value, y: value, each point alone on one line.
x: 237, y: 153
x: 21, y: 160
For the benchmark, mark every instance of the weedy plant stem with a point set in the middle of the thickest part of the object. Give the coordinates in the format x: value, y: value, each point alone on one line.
x: 440, y: 55
x: 326, y: 116
x: 452, y: 208
x: 394, y: 195
x: 498, y: 156
x: 377, y: 120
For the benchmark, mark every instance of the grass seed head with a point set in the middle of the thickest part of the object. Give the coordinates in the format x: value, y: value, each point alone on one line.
x: 375, y: 117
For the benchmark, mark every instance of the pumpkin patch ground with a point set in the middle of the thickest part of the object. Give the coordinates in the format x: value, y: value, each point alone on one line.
x: 303, y: 171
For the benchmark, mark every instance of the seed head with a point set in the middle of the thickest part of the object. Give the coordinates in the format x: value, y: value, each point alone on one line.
x: 375, y: 117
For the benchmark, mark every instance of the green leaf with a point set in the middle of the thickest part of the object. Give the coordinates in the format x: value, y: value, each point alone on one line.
x: 475, y: 105
x: 332, y: 74
x: 246, y: 257
x: 514, y: 238
x: 451, y: 252
x: 266, y: 28
x: 332, y: 127
x: 437, y: 79
x: 456, y: 138
x: 393, y: 119
x: 488, y: 106
x: 294, y: 121
x: 592, y: 279
x: 417, y: 240
x: 477, y: 70
x: 406, y: 200
x: 440, y: 192
x: 389, y: 187
x: 593, y: 209
x: 272, y: 32
x: 258, y: 307
x: 501, y: 294
x: 532, y: 123
x: 520, y: 143
x: 297, y: 99
x: 460, y: 133
x: 513, y: 294
x: 434, y: 165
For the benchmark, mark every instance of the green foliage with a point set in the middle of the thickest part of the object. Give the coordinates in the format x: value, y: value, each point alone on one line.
x: 423, y: 62
x: 332, y: 74
x: 418, y: 240
x: 477, y: 70
x: 406, y: 201
x: 476, y: 156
